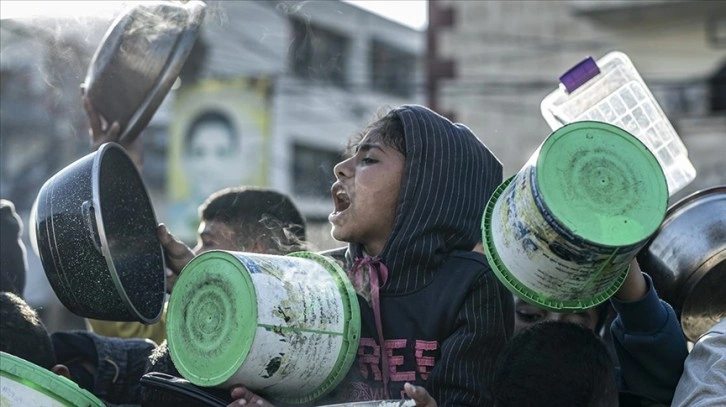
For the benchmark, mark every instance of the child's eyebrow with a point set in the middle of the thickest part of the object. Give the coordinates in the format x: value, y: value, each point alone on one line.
x: 367, y: 147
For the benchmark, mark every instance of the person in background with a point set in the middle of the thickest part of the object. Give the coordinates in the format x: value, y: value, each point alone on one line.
x: 555, y: 363
x: 13, y: 260
x: 24, y: 334
x: 121, y: 361
x: 649, y: 344
x: 703, y: 383
x: 434, y: 317
x: 244, y: 219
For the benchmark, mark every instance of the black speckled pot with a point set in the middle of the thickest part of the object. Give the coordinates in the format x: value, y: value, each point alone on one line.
x: 94, y: 228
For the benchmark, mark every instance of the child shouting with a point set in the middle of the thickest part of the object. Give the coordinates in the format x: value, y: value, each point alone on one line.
x: 409, y: 201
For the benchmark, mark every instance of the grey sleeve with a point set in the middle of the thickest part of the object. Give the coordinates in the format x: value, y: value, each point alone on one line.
x: 703, y: 383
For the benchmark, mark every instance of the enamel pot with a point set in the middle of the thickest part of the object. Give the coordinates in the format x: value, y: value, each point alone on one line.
x: 94, y: 228
x: 687, y: 259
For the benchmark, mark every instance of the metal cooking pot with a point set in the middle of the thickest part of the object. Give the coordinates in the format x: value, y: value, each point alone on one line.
x: 94, y: 229
x: 139, y: 59
x: 686, y: 258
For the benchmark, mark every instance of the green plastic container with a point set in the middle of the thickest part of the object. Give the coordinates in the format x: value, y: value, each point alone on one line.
x: 561, y: 233
x: 25, y: 384
x: 286, y: 326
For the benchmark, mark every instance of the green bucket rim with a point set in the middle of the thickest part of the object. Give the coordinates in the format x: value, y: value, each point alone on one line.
x: 621, y: 147
x: 517, y: 287
x: 56, y: 387
x: 238, y: 342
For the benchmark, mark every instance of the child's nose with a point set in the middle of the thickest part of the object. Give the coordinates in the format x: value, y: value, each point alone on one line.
x: 343, y: 169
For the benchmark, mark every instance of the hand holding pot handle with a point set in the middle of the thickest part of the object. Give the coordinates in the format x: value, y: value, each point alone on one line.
x: 176, y: 253
x: 100, y: 133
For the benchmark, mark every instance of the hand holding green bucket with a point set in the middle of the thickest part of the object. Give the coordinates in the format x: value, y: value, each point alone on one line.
x: 287, y: 326
x: 561, y: 232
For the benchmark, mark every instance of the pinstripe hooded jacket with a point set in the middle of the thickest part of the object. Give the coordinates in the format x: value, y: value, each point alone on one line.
x: 443, y: 315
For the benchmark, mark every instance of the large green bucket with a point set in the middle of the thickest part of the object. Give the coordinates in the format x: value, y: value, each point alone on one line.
x: 285, y: 326
x: 561, y: 233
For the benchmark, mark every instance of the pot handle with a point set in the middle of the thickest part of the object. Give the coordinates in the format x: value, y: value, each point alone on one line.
x: 89, y: 218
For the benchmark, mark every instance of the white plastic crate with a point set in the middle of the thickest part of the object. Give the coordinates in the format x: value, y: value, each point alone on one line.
x: 612, y: 91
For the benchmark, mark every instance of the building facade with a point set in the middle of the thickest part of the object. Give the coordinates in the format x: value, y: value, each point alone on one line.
x: 294, y: 79
x: 492, y: 62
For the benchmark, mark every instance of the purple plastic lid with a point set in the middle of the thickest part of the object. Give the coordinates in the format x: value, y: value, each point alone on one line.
x: 579, y: 74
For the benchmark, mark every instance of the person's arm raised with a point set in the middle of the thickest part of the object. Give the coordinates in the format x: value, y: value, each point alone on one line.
x: 176, y: 253
x: 101, y: 132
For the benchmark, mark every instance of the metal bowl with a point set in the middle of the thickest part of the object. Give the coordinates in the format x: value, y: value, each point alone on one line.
x: 686, y: 258
x: 138, y: 61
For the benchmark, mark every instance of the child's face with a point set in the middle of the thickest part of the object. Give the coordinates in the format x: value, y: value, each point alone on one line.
x: 365, y: 195
x: 526, y: 315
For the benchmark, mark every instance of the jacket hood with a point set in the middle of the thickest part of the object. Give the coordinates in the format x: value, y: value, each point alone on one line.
x: 449, y: 175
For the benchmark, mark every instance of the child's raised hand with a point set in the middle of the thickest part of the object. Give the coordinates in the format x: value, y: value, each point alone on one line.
x: 419, y: 395
x: 634, y: 287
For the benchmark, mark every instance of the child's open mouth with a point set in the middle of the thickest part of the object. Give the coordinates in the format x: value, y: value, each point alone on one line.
x: 341, y: 201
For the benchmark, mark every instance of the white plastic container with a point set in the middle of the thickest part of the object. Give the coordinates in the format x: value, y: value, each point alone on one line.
x: 612, y: 91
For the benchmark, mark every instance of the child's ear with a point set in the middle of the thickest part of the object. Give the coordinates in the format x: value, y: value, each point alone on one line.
x: 62, y: 370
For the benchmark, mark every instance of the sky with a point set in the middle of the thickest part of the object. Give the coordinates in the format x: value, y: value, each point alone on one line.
x: 412, y: 13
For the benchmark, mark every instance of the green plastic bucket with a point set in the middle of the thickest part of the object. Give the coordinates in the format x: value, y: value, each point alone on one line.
x: 286, y: 326
x: 24, y: 384
x: 561, y: 233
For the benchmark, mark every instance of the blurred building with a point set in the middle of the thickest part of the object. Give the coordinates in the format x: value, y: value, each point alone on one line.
x: 297, y: 79
x: 492, y: 62
x: 294, y: 78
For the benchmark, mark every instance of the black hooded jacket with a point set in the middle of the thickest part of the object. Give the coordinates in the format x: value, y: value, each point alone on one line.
x: 445, y: 317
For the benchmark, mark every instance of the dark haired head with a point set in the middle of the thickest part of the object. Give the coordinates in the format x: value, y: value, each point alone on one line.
x: 12, y: 250
x: 387, y: 128
x: 258, y: 215
x: 555, y: 363
x: 23, y: 333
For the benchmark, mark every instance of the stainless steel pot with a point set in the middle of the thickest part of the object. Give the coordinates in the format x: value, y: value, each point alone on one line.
x: 94, y: 229
x: 686, y: 258
x: 139, y: 59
